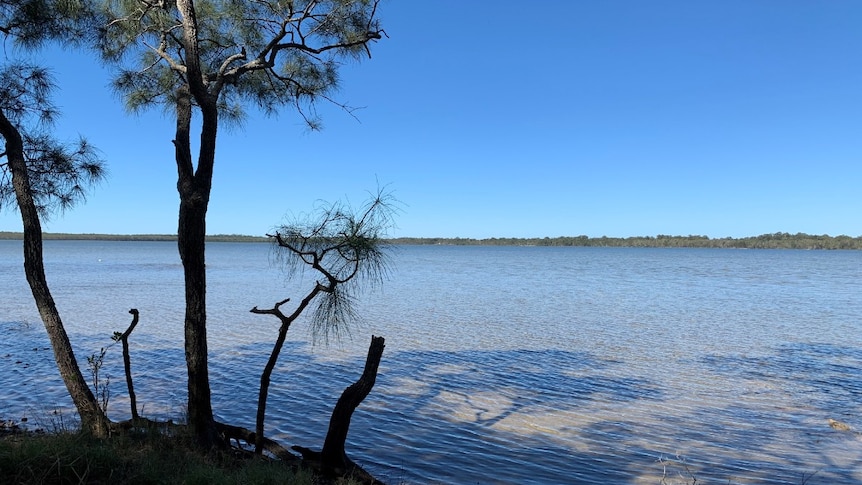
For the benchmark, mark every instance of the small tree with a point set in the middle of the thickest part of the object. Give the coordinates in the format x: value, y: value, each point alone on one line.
x: 347, y: 252
x: 211, y: 57
x: 39, y: 175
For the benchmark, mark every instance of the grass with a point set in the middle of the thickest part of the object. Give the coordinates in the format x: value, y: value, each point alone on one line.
x: 140, y: 458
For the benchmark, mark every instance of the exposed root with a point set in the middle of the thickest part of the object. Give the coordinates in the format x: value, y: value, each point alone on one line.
x: 238, y: 433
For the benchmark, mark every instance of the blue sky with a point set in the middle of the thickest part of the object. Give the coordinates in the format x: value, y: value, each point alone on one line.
x: 513, y: 119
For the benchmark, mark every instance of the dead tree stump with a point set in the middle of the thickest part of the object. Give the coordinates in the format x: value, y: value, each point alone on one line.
x: 127, y: 363
x: 333, y: 460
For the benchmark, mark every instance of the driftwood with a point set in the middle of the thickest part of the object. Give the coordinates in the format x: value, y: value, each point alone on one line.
x: 332, y: 460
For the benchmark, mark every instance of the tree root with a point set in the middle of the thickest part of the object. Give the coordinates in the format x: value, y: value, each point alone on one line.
x: 272, y: 447
x: 143, y: 423
x: 314, y: 460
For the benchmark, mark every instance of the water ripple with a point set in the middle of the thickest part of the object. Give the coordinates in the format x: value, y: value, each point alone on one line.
x: 617, y: 366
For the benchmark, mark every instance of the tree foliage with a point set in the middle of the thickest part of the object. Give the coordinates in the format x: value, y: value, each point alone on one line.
x: 60, y: 173
x: 346, y: 248
x: 269, y: 53
x: 30, y: 23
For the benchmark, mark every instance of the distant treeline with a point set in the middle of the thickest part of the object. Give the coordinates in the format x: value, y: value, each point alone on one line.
x: 778, y: 240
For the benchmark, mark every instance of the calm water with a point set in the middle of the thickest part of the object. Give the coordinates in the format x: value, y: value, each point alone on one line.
x: 502, y: 365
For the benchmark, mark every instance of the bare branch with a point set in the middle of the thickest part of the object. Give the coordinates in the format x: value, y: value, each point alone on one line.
x: 272, y: 311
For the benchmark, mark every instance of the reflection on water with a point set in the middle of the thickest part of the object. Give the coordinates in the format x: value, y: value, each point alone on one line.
x: 502, y: 365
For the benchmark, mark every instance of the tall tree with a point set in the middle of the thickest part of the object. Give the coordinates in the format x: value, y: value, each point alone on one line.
x: 211, y: 57
x: 39, y: 174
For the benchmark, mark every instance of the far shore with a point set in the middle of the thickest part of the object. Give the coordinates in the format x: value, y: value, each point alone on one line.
x: 779, y: 240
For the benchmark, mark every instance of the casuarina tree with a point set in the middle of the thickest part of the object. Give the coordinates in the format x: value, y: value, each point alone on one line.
x: 212, y: 58
x: 39, y: 175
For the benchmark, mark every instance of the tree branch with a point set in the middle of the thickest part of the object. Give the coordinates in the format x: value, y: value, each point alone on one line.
x: 266, y: 375
x: 182, y: 142
x: 195, y: 77
x: 161, y: 51
x: 340, y: 45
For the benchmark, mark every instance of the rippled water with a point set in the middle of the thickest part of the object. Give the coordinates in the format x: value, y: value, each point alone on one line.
x: 502, y: 365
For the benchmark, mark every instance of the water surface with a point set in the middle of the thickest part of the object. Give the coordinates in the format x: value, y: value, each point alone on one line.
x: 519, y: 365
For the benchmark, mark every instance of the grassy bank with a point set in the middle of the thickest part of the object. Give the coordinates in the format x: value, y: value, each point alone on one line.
x: 140, y: 458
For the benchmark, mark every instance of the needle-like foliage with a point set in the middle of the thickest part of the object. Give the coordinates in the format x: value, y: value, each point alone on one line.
x: 268, y: 53
x: 60, y: 173
x: 346, y: 250
x: 29, y: 23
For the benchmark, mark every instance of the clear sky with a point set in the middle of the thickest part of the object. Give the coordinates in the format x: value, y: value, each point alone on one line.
x: 530, y: 119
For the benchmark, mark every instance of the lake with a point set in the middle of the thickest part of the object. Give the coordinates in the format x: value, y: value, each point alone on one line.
x: 503, y: 365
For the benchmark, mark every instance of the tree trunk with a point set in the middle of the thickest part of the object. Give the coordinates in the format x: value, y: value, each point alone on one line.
x: 191, y: 234
x: 265, y: 376
x: 194, y: 185
x: 333, y: 458
x: 194, y: 190
x: 93, y: 419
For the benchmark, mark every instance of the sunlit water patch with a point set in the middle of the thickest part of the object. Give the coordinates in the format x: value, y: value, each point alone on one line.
x: 502, y: 365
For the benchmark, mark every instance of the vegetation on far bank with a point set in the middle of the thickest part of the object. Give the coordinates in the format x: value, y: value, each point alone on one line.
x: 778, y: 240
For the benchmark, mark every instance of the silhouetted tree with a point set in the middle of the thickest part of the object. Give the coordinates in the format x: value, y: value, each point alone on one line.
x: 212, y: 57
x: 39, y: 175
